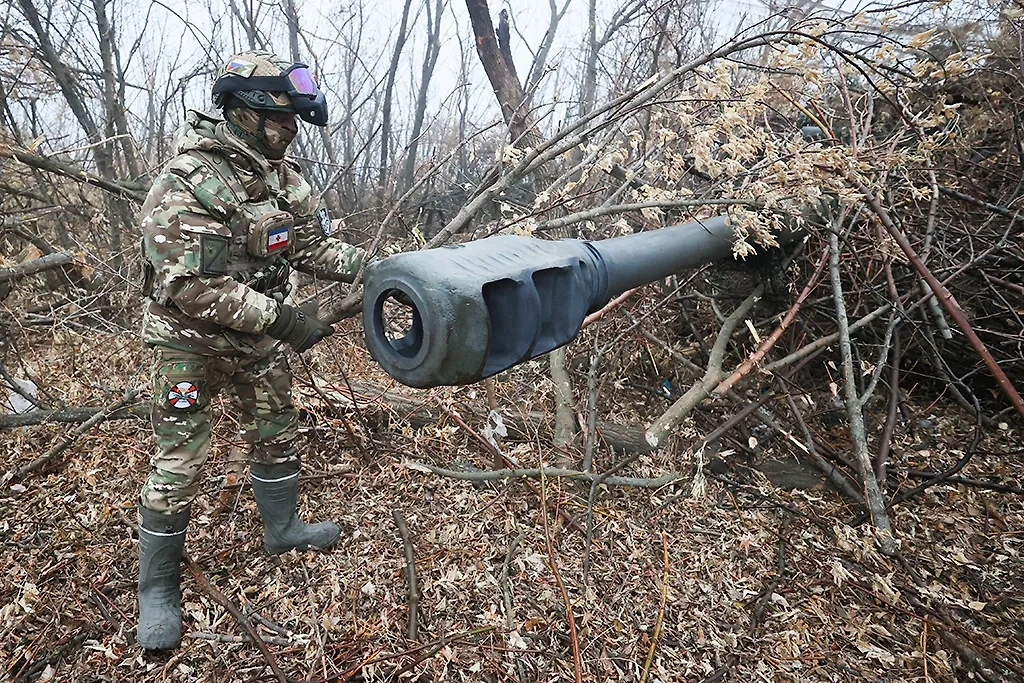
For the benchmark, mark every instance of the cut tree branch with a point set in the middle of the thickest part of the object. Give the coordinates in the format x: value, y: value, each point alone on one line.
x: 854, y: 405
x: 410, y: 574
x: 64, y: 443
x: 713, y: 374
x: 537, y: 473
x: 48, y: 262
x: 51, y: 165
x: 945, y: 298
x: 774, y: 337
x: 69, y: 416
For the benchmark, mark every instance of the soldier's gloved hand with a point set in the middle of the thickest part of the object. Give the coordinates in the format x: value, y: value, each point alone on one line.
x: 402, y: 298
x: 299, y: 327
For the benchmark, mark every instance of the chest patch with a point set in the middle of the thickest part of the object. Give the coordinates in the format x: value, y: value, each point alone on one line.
x: 277, y: 238
x: 183, y: 395
x: 325, y: 221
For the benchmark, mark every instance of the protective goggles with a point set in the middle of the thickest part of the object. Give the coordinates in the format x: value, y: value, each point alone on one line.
x: 296, y: 81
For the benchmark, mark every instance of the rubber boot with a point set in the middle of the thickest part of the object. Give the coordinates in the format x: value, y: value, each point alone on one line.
x: 161, y: 541
x: 276, y: 488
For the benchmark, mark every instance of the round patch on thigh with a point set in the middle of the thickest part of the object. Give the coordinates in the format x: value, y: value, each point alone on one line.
x: 183, y: 395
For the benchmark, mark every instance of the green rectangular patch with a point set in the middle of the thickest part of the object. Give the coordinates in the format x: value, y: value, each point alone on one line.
x: 214, y: 254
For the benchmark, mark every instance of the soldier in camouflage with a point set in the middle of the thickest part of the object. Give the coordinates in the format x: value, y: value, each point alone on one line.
x: 222, y: 226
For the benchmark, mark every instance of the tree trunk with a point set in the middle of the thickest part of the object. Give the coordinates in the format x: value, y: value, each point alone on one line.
x: 385, y: 133
x: 506, y: 85
x: 118, y: 215
x: 248, y: 22
x: 429, y: 62
x: 589, y: 87
x: 497, y: 63
x: 113, y: 89
x: 540, y: 60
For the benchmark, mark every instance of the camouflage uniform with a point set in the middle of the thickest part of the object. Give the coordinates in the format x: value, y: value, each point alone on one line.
x: 221, y: 227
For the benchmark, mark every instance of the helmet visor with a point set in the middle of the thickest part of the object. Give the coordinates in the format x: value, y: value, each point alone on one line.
x: 301, y: 80
x: 311, y: 109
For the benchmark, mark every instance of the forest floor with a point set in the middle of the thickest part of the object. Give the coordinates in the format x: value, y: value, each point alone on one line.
x: 703, y: 580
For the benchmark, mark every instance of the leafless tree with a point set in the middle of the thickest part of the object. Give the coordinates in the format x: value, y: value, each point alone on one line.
x: 389, y: 85
x: 435, y: 13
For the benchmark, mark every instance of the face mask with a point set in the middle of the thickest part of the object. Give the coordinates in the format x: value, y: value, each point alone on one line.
x: 278, y: 137
x: 265, y: 136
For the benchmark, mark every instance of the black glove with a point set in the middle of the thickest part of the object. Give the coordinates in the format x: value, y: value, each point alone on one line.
x: 300, y: 328
x: 402, y: 298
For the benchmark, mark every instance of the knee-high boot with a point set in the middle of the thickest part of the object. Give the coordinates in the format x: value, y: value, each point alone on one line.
x: 161, y: 542
x: 276, y: 488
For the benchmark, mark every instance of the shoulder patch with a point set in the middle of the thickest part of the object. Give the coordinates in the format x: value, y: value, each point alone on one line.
x: 324, y: 220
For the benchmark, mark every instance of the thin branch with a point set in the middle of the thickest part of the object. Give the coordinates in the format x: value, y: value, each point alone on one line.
x: 713, y: 373
x: 575, y: 133
x: 499, y: 455
x: 834, y: 475
x: 622, y: 464
x: 945, y: 298
x: 577, y: 664
x: 226, y: 638
x: 64, y: 443
x: 670, y: 419
x: 222, y: 599
x: 410, y: 574
x: 826, y: 341
x: 968, y: 481
x: 48, y: 262
x: 994, y: 208
x: 854, y: 406
x: 598, y: 212
x: 776, y: 334
x: 883, y: 357
x: 660, y: 621
x: 941, y: 477
x: 50, y: 165
x: 537, y: 473
x: 506, y: 582
x: 611, y: 305
x: 429, y: 650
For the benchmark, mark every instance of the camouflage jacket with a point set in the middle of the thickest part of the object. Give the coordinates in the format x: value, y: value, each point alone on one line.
x: 219, y: 223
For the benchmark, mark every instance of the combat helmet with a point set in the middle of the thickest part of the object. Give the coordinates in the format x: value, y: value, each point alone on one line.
x: 264, y: 81
x: 261, y: 94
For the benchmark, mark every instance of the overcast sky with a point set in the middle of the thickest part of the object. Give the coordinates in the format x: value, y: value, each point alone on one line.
x: 180, y: 34
x: 182, y: 42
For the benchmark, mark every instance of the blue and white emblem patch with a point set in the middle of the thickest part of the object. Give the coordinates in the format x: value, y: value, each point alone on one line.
x: 324, y: 220
x: 277, y: 238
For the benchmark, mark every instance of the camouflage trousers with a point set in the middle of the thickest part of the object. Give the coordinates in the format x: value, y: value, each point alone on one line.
x: 184, y: 386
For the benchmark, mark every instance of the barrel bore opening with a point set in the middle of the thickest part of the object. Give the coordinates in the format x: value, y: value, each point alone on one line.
x: 400, y: 322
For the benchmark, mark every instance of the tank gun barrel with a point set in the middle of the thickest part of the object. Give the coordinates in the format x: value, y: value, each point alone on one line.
x: 482, y: 307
